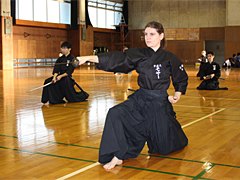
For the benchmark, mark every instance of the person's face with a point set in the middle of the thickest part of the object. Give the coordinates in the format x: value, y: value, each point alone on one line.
x: 153, y: 38
x: 210, y: 57
x: 204, y: 53
x: 65, y: 50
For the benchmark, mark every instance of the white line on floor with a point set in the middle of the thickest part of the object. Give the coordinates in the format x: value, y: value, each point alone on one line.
x: 78, y: 171
x: 203, y: 118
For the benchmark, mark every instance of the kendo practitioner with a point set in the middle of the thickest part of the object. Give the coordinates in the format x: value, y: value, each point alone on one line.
x: 233, y: 62
x: 202, y: 59
x: 62, y: 83
x: 210, y: 73
x: 148, y: 113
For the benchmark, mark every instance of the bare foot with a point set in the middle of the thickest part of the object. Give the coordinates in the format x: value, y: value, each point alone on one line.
x: 46, y: 104
x: 115, y: 161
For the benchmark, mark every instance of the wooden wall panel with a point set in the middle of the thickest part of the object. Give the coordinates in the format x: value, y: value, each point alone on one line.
x: 31, y: 52
x: 49, y: 50
x: 15, y: 48
x: 198, y: 49
x: 22, y: 49
x: 232, y: 41
x: 56, y: 48
x: 86, y: 46
x: 41, y: 24
x: 138, y: 38
x: 171, y: 46
x: 37, y: 42
x: 215, y: 33
x: 102, y: 39
x: 232, y: 34
x: 231, y: 48
x: 185, y: 50
x: 90, y: 37
x: 44, y: 42
x: 73, y: 37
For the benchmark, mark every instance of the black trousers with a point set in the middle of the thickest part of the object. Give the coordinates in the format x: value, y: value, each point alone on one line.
x: 141, y: 118
x: 209, y: 85
x: 54, y: 93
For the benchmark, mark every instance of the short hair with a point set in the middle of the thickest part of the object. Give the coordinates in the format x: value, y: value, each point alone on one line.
x: 66, y: 44
x: 234, y: 55
x: 211, y: 52
x: 238, y: 54
x: 159, y: 28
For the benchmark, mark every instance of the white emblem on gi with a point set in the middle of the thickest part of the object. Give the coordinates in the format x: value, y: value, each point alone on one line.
x: 214, y: 67
x: 158, y: 71
x: 181, y: 67
x: 68, y: 61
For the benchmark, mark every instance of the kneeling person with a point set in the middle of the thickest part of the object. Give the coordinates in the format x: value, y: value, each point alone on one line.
x: 62, y: 83
x: 210, y: 73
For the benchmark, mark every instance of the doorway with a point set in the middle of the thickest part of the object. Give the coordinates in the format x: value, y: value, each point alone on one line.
x: 218, y: 47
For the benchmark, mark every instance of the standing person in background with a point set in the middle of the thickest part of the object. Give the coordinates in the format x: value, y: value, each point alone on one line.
x: 60, y: 54
x: 202, y: 59
x: 148, y: 113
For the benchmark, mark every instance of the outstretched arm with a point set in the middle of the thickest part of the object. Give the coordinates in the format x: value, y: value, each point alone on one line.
x: 83, y: 59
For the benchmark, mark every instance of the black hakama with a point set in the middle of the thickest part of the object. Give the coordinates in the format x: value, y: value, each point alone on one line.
x: 54, y: 93
x: 147, y: 116
x: 144, y: 117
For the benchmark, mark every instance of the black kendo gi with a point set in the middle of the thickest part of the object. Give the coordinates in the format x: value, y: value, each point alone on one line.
x: 147, y: 115
x: 205, y: 70
x: 54, y: 93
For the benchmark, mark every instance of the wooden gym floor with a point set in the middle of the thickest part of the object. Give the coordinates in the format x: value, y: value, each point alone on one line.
x: 61, y: 141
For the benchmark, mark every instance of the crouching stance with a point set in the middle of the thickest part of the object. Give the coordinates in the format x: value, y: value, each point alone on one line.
x: 62, y: 83
x: 147, y: 115
x: 210, y: 72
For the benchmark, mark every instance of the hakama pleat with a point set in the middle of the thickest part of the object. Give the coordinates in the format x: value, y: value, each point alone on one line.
x: 165, y: 134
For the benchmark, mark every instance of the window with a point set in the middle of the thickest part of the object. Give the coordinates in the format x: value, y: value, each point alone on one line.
x: 101, y: 18
x: 40, y: 10
x: 105, y: 13
x: 65, y: 9
x: 110, y: 19
x: 92, y: 11
x: 25, y: 9
x: 44, y: 11
x: 53, y: 11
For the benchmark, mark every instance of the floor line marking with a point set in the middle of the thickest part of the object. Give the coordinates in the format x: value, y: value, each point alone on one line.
x: 78, y: 171
x: 193, y: 122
